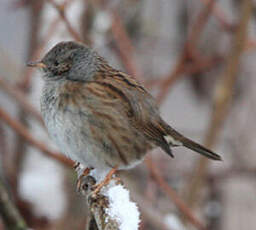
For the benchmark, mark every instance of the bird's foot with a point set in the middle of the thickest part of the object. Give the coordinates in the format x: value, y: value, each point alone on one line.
x: 107, y: 179
x: 85, y: 173
x: 76, y: 166
x: 117, y: 180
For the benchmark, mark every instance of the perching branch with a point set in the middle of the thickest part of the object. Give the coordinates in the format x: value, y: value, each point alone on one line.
x: 98, y: 206
x: 106, y: 213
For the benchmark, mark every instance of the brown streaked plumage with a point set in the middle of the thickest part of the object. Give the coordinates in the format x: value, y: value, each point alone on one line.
x: 99, y: 116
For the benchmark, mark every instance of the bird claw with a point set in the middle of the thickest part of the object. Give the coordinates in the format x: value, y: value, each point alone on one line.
x: 76, y: 166
x: 96, y: 188
x: 84, y: 174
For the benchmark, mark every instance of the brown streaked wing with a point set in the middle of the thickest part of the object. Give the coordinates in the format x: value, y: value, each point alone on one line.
x: 143, y: 106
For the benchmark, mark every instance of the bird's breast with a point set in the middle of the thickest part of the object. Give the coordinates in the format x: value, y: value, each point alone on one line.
x: 92, y: 129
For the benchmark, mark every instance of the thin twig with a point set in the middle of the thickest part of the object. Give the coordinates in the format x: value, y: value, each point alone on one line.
x: 220, y: 15
x: 190, y: 69
x: 250, y: 45
x: 61, y: 10
x: 19, y: 97
x: 222, y: 100
x: 174, y: 197
x: 25, y: 134
x: 125, y: 47
x: 189, y: 48
x: 28, y: 73
x: 203, y: 65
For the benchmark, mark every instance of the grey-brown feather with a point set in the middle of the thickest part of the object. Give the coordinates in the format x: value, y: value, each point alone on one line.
x: 100, y: 116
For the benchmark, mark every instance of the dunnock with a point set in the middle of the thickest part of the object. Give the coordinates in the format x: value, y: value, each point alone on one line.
x: 99, y: 116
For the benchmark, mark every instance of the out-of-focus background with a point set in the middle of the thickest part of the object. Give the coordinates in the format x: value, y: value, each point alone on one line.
x: 195, y: 56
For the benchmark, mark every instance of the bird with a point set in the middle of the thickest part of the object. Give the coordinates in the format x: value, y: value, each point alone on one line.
x: 99, y: 116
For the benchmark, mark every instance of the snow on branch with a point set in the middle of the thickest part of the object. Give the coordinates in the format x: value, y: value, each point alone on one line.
x: 111, y: 208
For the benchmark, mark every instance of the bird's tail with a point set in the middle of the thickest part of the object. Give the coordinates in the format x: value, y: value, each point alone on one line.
x: 176, y: 139
x: 200, y: 149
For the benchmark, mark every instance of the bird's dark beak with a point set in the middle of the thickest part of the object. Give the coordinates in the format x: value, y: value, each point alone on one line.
x: 38, y: 64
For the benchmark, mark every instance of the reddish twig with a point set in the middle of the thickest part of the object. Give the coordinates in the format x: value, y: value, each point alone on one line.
x: 20, y: 97
x: 220, y: 15
x: 173, y: 196
x: 25, y: 134
x: 198, y: 26
x: 25, y: 82
x: 125, y: 47
x: 222, y: 99
x: 192, y: 68
x: 250, y: 45
x: 61, y: 10
x: 189, y: 48
x: 203, y: 65
x: 173, y: 77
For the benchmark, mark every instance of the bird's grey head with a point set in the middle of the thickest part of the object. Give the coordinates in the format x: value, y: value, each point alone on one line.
x: 69, y: 60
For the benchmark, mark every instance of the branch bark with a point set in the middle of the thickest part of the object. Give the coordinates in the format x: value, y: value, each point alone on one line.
x: 101, y: 204
x: 99, y: 219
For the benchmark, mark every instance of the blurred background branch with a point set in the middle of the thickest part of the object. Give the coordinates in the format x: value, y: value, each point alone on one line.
x: 24, y: 133
x: 186, y: 53
x: 222, y: 99
x: 10, y: 215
